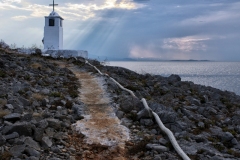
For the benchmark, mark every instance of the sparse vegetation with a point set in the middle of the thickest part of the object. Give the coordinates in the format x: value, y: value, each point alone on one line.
x: 5, y: 155
x: 36, y: 65
x: 4, y: 113
x: 55, y: 94
x: 2, y: 74
x: 38, y: 96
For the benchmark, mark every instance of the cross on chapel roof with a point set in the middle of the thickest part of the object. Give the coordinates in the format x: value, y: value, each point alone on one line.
x: 53, y: 5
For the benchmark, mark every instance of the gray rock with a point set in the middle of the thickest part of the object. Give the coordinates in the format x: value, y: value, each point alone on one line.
x: 59, y: 108
x: 22, y: 128
x: 45, y: 91
x: 11, y: 136
x: 146, y: 122
x: 174, y: 78
x: 166, y: 114
x: 18, y: 109
x: 33, y: 158
x: 55, y: 149
x: 6, y: 129
x: 157, y: 147
x: 42, y: 124
x: 31, y: 143
x: 226, y: 136
x: 24, y: 101
x: 126, y: 104
x: 154, y: 131
x: 26, y: 117
x: 35, y: 104
x: 45, y: 101
x: 236, y: 119
x: 78, y: 111
x: 126, y: 122
x: 2, y: 140
x: 163, y: 141
x: 38, y: 134
x: 205, y: 98
x: 50, y: 132
x: 196, y: 102
x: 143, y: 114
x: 120, y: 114
x: 32, y: 152
x: 9, y: 106
x: 217, y: 158
x: 12, y: 117
x: 234, y: 141
x: 201, y: 124
x: 46, y: 142
x: 54, y: 158
x: 58, y: 135
x: 54, y: 123
x: 237, y: 128
x: 17, y: 150
x: 157, y: 158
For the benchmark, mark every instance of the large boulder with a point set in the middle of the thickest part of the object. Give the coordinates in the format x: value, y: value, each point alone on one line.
x: 12, y: 117
x: 174, y: 78
x: 22, y: 128
x: 166, y: 114
x: 31, y: 143
x: 54, y: 123
x: 128, y: 103
x: 17, y: 150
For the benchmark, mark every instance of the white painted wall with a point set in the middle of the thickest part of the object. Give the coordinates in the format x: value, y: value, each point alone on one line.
x: 67, y: 53
x: 53, y: 35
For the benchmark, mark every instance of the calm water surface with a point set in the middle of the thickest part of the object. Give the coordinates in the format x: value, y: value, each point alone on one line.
x: 222, y: 75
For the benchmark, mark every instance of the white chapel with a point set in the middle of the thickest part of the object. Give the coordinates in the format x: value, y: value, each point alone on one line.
x: 53, y: 37
x: 53, y: 30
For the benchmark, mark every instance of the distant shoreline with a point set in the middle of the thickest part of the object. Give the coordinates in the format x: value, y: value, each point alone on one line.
x: 158, y: 60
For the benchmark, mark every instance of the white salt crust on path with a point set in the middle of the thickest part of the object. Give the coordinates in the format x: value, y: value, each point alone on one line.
x: 100, y: 124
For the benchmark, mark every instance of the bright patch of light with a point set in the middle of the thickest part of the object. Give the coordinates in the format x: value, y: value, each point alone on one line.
x: 19, y: 18
x: 142, y: 52
x: 185, y: 44
x: 11, y: 1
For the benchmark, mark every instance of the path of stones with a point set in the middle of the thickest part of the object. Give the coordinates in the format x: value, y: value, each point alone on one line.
x: 99, y: 134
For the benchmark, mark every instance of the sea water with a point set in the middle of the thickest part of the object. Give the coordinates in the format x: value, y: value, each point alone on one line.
x: 221, y: 75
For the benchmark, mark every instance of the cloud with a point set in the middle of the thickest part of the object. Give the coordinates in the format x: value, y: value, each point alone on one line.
x: 71, y: 10
x: 132, y: 28
x: 11, y: 1
x: 143, y: 52
x: 186, y: 44
x: 20, y: 18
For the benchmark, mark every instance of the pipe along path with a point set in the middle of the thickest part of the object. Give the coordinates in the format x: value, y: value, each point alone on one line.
x: 158, y: 120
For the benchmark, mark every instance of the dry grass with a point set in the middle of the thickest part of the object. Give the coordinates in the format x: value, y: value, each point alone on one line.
x: 3, y: 102
x: 36, y: 65
x: 38, y: 96
x: 35, y: 114
x: 5, y: 155
x: 4, y: 113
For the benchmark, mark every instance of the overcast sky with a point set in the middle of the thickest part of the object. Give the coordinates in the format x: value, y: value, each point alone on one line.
x: 166, y: 29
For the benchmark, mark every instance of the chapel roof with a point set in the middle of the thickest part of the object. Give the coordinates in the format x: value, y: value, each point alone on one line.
x: 54, y: 14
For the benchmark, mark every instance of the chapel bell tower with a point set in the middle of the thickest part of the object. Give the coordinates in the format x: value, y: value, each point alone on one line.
x: 53, y: 31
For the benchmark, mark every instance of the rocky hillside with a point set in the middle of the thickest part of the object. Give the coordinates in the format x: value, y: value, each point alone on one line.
x: 204, y: 120
x: 37, y: 108
x: 38, y: 104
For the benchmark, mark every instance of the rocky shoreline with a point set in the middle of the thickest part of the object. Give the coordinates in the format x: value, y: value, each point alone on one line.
x: 38, y: 105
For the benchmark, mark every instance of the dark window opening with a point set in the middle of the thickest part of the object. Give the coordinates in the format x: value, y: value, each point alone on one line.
x: 51, y: 22
x: 60, y: 23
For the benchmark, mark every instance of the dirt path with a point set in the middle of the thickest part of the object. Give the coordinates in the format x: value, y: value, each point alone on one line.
x: 100, y: 134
